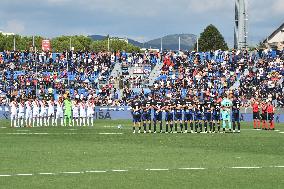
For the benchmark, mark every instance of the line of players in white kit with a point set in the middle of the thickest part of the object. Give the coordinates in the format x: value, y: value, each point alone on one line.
x: 37, y: 113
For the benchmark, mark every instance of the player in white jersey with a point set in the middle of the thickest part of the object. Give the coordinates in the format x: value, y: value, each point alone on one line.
x: 75, y: 108
x: 29, y: 113
x: 21, y: 113
x: 36, y: 118
x: 42, y: 112
x: 51, y: 116
x: 14, y: 111
x: 90, y: 112
x: 82, y: 106
x: 59, y: 111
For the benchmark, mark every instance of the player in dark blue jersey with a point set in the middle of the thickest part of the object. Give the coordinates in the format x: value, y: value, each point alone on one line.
x: 178, y: 106
x: 216, y: 114
x: 169, y: 108
x: 158, y: 113
x: 188, y: 114
x: 236, y: 114
x: 146, y: 115
x: 208, y: 107
x: 136, y: 113
x: 198, y: 115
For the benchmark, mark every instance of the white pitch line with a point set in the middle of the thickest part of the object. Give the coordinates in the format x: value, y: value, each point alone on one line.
x: 119, y: 170
x: 40, y: 133
x: 24, y: 174
x: 95, y: 171
x: 281, y: 132
x: 246, y: 167
x: 110, y: 133
x: 46, y: 173
x: 157, y: 169
x: 200, y: 168
x: 279, y: 166
x: 72, y: 172
x: 5, y: 175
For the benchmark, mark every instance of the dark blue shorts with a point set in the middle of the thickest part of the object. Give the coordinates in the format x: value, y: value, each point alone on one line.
x: 216, y: 116
x: 207, y: 116
x: 136, y: 118
x: 236, y: 117
x: 188, y: 116
x: 146, y: 117
x: 169, y: 117
x: 178, y: 116
x: 158, y: 116
x: 198, y: 117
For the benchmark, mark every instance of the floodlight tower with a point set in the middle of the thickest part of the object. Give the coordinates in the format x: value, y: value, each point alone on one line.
x: 241, y: 24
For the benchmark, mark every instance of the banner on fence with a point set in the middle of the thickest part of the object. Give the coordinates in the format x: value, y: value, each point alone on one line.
x: 124, y: 113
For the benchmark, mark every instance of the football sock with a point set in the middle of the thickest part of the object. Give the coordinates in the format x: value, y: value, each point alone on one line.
x: 239, y: 126
x: 176, y: 125
x: 230, y: 125
x: 139, y: 128
x: 191, y: 126
x: 210, y: 125
x: 205, y: 126
x: 144, y: 126
x: 185, y: 125
x: 200, y: 127
x: 181, y: 127
x: 167, y: 127
x: 155, y: 126
x: 234, y: 125
x: 214, y: 127
x: 150, y: 126
x: 161, y: 126
x: 172, y: 126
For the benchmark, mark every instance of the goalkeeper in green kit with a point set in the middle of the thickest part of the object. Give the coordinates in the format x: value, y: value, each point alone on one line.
x: 67, y: 110
x: 226, y: 113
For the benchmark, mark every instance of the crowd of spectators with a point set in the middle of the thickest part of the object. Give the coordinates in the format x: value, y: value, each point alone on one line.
x: 256, y: 74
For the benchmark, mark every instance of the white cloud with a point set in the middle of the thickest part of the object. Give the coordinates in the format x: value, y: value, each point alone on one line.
x: 14, y: 26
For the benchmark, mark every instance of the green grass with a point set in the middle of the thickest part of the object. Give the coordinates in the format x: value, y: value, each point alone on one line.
x: 84, y: 149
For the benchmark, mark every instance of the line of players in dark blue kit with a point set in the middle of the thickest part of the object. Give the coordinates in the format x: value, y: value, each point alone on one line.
x: 189, y: 112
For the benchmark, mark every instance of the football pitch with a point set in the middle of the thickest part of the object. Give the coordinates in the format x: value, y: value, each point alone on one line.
x: 105, y: 156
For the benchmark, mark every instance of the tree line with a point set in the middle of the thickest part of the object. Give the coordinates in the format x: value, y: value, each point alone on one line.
x: 62, y: 43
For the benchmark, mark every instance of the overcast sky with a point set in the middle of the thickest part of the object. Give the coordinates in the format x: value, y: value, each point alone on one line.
x: 138, y: 19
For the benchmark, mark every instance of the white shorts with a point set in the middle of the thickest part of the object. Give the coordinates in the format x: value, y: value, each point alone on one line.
x: 50, y: 113
x: 14, y: 115
x: 59, y: 114
x: 75, y: 114
x: 21, y: 115
x: 29, y: 114
x: 83, y: 115
x: 90, y: 114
